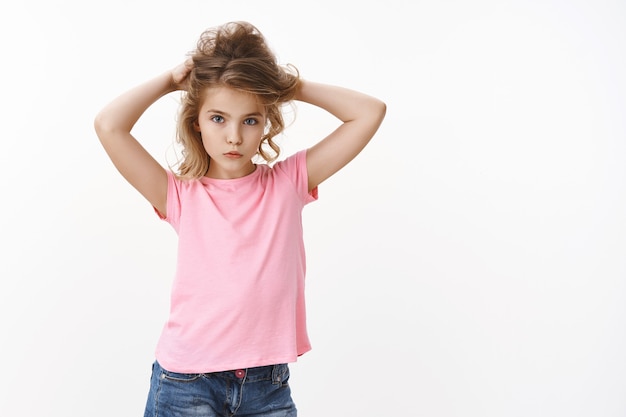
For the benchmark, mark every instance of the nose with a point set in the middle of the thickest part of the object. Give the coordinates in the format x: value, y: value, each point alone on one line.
x: 234, y: 137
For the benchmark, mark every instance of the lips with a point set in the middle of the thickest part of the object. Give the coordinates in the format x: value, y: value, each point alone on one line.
x: 233, y: 154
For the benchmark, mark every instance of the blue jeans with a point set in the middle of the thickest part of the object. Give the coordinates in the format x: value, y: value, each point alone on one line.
x: 254, y: 392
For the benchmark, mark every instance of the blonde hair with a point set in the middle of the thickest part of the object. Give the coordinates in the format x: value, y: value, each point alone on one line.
x: 235, y: 55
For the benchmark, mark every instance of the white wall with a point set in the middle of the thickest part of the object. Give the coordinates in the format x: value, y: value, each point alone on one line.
x: 471, y: 261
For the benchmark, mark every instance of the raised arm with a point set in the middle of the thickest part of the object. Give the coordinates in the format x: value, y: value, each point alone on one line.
x: 361, y: 116
x: 113, y: 126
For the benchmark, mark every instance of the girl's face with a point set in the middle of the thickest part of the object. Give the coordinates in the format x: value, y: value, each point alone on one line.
x: 232, y: 124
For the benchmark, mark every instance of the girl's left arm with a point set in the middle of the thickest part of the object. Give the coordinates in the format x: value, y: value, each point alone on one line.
x: 361, y: 116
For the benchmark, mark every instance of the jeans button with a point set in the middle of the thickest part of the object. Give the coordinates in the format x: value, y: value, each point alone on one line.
x: 240, y: 373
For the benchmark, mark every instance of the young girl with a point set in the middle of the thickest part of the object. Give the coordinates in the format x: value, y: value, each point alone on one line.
x: 237, y: 313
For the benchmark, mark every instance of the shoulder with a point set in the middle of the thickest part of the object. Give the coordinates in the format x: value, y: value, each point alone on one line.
x: 293, y: 163
x: 293, y: 170
x: 182, y: 182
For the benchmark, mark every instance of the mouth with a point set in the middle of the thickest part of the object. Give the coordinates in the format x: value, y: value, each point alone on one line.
x: 233, y: 154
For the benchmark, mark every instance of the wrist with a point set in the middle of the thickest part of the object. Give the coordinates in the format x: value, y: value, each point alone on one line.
x: 299, y: 94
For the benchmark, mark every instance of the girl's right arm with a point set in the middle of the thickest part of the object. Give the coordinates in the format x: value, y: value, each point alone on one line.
x: 114, y: 123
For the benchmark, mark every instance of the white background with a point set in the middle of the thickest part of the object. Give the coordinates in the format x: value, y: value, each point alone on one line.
x: 470, y: 262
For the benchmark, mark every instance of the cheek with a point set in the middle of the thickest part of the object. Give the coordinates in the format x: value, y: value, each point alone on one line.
x: 258, y: 136
x: 209, y: 130
x: 256, y: 132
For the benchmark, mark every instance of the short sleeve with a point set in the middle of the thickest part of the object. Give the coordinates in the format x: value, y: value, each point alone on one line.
x: 295, y: 168
x: 173, y: 201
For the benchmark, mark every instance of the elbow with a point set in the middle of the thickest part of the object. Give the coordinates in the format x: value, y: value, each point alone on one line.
x: 381, y: 110
x: 100, y: 125
x: 104, y: 126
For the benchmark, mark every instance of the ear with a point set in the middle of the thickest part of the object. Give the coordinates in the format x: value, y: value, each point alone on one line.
x: 196, y: 126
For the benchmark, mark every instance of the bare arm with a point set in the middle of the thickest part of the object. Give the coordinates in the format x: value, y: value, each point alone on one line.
x: 114, y: 123
x: 361, y: 116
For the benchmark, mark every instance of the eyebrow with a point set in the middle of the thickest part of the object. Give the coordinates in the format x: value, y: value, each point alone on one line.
x: 228, y: 115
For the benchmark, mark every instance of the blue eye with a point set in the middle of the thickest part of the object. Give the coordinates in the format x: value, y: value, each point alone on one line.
x: 217, y: 119
x: 250, y: 122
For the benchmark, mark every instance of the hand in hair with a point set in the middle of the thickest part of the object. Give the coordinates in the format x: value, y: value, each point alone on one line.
x: 180, y: 74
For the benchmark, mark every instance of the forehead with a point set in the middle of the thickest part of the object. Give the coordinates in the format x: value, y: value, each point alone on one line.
x: 231, y: 101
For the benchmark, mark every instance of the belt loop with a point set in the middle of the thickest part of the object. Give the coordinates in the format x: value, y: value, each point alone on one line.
x: 278, y: 372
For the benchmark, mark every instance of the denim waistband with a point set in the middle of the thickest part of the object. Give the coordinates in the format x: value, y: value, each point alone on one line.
x: 274, y: 373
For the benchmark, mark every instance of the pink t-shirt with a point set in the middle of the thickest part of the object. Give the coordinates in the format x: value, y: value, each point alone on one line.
x: 238, y: 295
